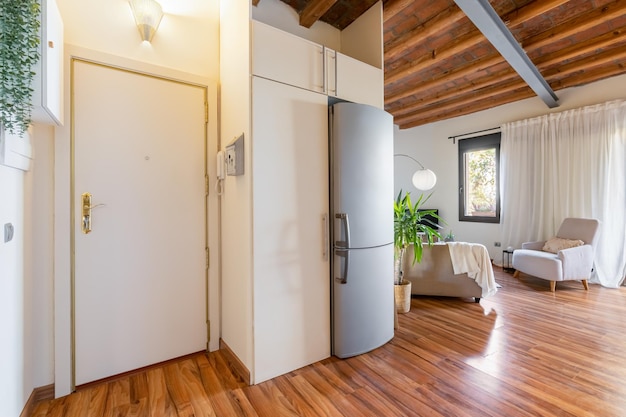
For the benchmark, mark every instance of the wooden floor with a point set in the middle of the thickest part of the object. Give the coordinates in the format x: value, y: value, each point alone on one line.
x: 524, y: 352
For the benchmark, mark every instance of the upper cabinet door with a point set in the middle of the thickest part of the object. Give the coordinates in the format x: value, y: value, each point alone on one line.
x: 48, y: 80
x: 283, y: 57
x: 359, y: 82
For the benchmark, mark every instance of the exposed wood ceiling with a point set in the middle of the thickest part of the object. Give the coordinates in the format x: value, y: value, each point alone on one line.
x: 439, y: 66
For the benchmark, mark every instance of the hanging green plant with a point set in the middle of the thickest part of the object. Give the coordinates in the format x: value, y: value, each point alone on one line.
x: 19, y: 53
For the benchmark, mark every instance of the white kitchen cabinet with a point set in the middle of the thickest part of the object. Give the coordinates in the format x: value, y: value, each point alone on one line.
x: 281, y: 56
x: 290, y: 228
x: 289, y: 59
x: 48, y: 80
x: 359, y: 82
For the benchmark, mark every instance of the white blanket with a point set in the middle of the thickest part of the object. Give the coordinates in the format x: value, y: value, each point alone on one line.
x: 473, y: 259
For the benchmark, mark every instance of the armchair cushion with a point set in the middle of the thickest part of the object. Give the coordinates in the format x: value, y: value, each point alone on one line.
x: 555, y: 244
x: 541, y: 264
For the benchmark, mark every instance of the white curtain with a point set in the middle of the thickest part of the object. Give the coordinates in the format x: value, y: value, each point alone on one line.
x: 568, y: 164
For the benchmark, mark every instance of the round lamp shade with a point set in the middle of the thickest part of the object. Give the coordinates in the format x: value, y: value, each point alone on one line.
x: 424, y: 179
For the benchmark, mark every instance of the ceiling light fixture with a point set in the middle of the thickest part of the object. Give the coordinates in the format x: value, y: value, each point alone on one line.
x: 423, y: 179
x: 148, y: 15
x: 485, y: 18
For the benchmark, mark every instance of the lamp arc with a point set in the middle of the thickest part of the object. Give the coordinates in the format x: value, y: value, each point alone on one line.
x: 423, y: 179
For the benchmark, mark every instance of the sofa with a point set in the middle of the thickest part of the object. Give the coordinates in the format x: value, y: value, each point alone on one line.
x: 434, y: 275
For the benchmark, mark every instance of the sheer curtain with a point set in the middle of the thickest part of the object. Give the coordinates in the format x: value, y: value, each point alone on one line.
x: 568, y: 164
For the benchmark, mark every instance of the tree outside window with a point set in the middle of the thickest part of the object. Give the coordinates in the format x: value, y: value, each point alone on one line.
x: 479, y: 199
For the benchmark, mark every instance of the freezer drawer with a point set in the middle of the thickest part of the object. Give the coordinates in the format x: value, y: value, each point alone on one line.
x: 362, y: 302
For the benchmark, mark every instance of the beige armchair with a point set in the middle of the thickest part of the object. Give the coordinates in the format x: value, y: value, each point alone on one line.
x: 569, y: 256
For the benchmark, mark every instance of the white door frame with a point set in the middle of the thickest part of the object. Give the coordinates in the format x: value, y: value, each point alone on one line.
x: 62, y: 237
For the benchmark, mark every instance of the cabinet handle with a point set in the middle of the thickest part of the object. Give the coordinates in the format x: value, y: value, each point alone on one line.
x: 50, y: 44
x: 334, y: 58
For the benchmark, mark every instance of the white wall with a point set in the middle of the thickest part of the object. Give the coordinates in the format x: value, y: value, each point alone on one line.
x: 187, y: 39
x: 39, y: 254
x: 282, y: 16
x: 26, y: 351
x: 16, y: 379
x: 361, y: 41
x: 236, y: 207
x: 429, y: 144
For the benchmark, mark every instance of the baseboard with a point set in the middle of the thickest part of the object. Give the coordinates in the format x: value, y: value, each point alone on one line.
x: 39, y: 394
x: 235, y: 365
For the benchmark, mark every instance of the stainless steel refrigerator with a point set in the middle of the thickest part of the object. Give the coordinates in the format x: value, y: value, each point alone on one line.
x: 361, y: 145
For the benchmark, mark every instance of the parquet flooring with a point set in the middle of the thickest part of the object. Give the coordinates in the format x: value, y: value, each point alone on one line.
x: 524, y: 352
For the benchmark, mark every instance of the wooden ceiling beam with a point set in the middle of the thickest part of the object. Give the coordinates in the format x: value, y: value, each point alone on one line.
x: 478, y: 105
x: 607, y: 40
x: 314, y: 10
x: 506, y: 76
x: 450, y: 77
x: 392, y: 8
x: 543, y: 63
x: 580, y: 23
x: 466, y: 100
x: 586, y: 64
x: 392, y: 95
x: 521, y: 16
x: 589, y: 76
x: 605, y: 66
x: 409, y: 40
x: 426, y: 61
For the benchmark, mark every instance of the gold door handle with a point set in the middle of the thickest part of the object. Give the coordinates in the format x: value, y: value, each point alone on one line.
x: 86, y: 222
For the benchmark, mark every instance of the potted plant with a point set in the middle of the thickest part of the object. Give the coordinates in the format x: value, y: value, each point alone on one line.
x: 410, y: 228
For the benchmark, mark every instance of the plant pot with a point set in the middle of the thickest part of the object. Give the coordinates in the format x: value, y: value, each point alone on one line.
x: 402, y: 295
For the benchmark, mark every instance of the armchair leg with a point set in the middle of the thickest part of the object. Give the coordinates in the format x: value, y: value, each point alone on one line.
x: 553, y: 286
x: 516, y: 274
x: 586, y: 284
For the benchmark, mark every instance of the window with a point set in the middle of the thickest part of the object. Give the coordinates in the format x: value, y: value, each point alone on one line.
x: 479, y: 178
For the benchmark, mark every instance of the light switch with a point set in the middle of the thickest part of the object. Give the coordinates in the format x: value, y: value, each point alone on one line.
x: 8, y: 232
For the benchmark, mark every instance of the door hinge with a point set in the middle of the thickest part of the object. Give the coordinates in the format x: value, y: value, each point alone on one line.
x: 206, y: 112
x: 206, y: 185
x: 207, y: 257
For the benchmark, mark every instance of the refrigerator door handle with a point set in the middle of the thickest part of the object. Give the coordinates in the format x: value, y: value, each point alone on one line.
x: 326, y: 237
x: 344, y: 253
x: 345, y: 222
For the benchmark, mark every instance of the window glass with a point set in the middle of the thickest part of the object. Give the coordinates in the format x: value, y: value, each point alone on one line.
x: 479, y: 161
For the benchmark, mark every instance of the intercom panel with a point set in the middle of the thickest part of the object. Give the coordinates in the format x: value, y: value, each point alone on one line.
x: 235, y: 157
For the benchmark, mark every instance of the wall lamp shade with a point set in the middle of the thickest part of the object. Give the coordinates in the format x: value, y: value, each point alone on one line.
x: 423, y: 179
x: 148, y: 15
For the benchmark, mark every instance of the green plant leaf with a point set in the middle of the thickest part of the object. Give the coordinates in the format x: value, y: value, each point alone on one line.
x: 410, y: 224
x: 19, y: 53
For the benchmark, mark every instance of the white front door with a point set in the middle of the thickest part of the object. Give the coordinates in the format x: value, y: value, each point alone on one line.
x: 140, y: 273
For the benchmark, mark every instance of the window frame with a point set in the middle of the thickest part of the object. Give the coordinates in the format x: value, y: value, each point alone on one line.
x: 478, y: 143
